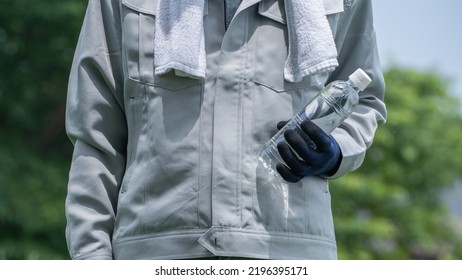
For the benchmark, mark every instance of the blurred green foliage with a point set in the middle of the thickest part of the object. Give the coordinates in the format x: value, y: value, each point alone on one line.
x: 390, y: 208
x: 37, y: 40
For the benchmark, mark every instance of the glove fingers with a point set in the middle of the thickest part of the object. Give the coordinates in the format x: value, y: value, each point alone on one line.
x: 280, y: 124
x: 306, y: 152
x: 319, y: 137
x: 291, y: 160
x: 287, y: 174
x: 301, y: 147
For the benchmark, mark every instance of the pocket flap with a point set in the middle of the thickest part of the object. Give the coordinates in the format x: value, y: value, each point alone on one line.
x: 143, y: 6
x: 275, y: 10
x: 150, y: 6
x: 333, y: 6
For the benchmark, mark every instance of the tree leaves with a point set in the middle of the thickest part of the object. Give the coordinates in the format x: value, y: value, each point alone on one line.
x: 37, y: 40
x: 415, y: 156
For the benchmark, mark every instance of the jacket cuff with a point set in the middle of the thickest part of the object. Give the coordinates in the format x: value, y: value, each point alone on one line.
x: 352, y: 155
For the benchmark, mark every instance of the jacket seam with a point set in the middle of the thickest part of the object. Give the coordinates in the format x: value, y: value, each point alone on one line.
x: 199, y: 158
x: 99, y: 252
x: 283, y: 234
x: 240, y: 127
x: 176, y: 232
x: 276, y: 233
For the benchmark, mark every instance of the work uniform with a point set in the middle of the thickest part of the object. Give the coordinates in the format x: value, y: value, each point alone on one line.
x: 165, y: 167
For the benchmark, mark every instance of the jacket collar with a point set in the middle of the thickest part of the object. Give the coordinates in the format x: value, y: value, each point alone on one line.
x: 271, y: 8
x: 247, y: 3
x: 275, y: 9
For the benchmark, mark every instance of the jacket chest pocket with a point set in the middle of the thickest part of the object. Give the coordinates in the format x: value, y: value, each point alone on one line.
x: 138, y: 32
x: 138, y: 35
x: 271, y: 45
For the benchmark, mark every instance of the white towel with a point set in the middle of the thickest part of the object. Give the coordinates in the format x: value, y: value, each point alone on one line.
x: 179, y: 41
x: 312, y: 48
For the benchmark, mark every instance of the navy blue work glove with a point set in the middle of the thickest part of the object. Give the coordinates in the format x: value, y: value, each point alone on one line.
x: 322, y: 158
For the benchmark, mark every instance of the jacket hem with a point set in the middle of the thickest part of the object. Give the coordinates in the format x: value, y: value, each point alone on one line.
x: 226, y: 242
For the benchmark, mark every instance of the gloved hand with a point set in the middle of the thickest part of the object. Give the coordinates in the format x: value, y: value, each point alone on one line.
x: 322, y: 158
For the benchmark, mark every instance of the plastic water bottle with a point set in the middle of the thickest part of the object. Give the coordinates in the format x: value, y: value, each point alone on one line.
x: 327, y: 110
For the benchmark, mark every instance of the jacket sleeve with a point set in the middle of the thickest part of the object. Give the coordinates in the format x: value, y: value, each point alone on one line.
x: 357, y: 48
x: 95, y: 123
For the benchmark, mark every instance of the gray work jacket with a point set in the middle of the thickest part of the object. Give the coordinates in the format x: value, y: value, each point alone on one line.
x: 164, y: 166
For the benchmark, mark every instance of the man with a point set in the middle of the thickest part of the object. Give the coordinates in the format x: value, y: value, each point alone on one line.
x: 168, y: 105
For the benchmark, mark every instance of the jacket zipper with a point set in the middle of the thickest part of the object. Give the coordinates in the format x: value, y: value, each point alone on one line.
x: 230, y: 11
x: 226, y: 14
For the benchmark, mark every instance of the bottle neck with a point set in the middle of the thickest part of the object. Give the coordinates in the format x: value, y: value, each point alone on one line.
x: 353, y: 86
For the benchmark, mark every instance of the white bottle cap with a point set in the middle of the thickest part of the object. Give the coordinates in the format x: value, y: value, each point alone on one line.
x: 360, y: 79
